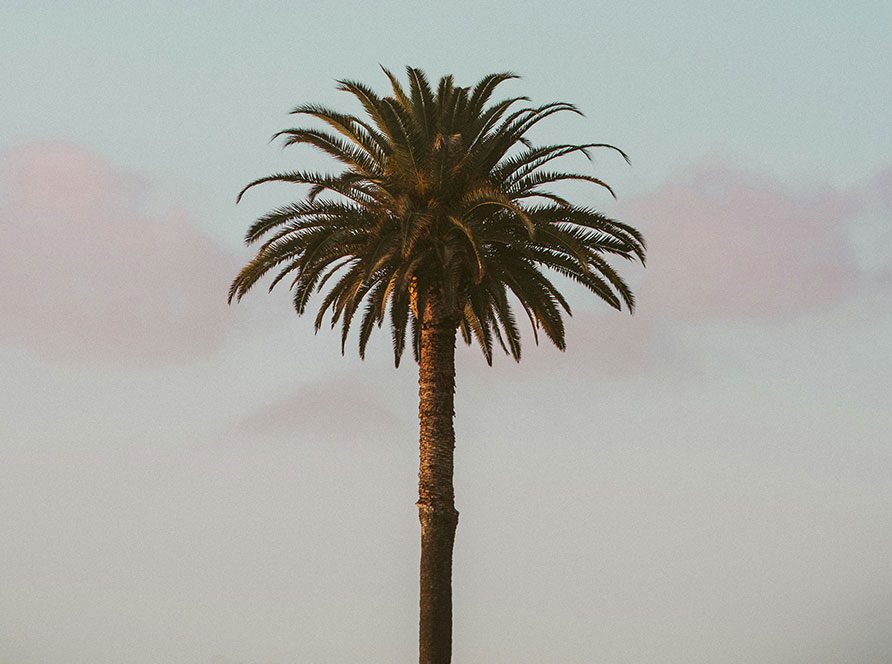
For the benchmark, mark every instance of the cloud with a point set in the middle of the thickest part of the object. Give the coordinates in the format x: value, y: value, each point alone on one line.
x: 730, y: 246
x: 726, y: 244
x: 88, y: 274
x: 340, y: 409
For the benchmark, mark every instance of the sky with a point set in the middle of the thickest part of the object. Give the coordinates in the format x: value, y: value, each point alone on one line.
x: 709, y: 480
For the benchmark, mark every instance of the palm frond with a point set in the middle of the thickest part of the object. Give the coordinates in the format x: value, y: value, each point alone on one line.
x: 441, y: 198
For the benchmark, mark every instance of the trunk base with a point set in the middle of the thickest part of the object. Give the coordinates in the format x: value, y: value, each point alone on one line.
x: 438, y: 526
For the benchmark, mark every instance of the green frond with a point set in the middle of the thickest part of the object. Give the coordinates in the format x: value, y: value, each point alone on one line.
x: 517, y: 167
x: 527, y: 183
x: 479, y: 128
x: 619, y: 285
x: 485, y: 196
x: 344, y: 284
x: 371, y: 102
x: 343, y: 184
x: 484, y: 89
x: 478, y: 319
x: 399, y: 318
x: 280, y: 216
x: 360, y: 159
x: 441, y: 194
x: 371, y: 315
x: 504, y: 317
x: 356, y: 130
x: 468, y: 232
x: 422, y: 100
x: 398, y: 93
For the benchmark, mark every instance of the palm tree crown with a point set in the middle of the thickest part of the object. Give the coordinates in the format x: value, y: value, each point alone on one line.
x: 441, y: 195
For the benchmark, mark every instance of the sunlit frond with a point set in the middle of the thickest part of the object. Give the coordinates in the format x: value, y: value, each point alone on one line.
x: 441, y: 195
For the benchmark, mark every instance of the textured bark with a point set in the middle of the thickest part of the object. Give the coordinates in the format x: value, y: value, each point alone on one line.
x: 436, y: 504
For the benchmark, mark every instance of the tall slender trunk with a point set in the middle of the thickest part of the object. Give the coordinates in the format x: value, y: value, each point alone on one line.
x: 436, y: 497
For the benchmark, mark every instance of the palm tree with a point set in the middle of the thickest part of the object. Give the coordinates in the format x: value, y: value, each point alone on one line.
x: 440, y: 223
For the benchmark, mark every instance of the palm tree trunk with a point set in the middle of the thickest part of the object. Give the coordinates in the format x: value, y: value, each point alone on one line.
x: 436, y: 497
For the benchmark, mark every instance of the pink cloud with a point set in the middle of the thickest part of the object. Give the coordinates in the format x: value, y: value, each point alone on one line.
x: 87, y: 274
x: 616, y: 344
x: 725, y: 244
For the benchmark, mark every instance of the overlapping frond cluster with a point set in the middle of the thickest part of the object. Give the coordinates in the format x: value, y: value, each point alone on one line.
x: 440, y: 193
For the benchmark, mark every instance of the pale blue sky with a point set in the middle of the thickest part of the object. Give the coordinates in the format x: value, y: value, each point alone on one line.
x: 799, y: 88
x: 708, y: 481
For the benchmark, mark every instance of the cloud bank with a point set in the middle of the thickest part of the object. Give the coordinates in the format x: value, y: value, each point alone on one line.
x: 88, y: 274
x: 727, y: 244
